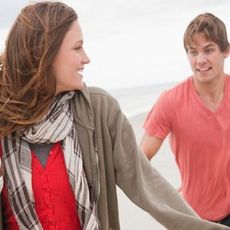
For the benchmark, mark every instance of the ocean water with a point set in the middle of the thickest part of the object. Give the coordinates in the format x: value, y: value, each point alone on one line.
x: 137, y: 100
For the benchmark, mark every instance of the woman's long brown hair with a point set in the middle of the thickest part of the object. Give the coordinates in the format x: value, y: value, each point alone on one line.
x: 27, y: 83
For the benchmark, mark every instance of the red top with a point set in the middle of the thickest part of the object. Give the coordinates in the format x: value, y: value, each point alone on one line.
x: 54, y: 198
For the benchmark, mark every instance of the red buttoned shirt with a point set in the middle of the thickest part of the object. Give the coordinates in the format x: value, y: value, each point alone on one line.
x: 53, y: 195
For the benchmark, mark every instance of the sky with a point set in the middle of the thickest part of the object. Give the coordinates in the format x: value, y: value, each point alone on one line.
x: 131, y: 43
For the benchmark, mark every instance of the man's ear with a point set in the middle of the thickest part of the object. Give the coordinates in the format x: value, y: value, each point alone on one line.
x: 226, y: 52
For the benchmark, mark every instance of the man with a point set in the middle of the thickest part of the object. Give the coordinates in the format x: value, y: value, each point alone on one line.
x: 196, y: 114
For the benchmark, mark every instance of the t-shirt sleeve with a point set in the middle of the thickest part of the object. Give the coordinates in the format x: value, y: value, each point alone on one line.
x: 158, y: 120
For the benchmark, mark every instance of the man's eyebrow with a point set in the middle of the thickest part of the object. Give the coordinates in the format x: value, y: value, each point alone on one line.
x: 79, y: 42
x: 207, y: 46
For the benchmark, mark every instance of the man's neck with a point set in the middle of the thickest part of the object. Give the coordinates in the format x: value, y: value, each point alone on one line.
x: 212, y: 93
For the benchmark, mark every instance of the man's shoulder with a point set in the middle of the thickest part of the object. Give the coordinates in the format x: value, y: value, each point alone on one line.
x: 178, y: 90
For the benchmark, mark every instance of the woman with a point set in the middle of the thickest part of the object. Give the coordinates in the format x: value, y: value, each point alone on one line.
x: 65, y: 147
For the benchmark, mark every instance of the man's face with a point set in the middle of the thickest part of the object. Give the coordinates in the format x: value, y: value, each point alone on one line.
x: 206, y: 59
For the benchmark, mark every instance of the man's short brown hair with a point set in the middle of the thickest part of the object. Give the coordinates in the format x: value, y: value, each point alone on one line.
x: 211, y: 27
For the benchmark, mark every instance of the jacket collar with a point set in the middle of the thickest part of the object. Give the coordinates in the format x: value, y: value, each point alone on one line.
x: 82, y: 108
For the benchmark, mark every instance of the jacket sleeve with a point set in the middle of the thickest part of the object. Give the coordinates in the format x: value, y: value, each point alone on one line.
x: 143, y: 184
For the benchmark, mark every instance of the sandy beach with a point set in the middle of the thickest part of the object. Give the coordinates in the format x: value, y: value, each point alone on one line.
x: 132, y: 217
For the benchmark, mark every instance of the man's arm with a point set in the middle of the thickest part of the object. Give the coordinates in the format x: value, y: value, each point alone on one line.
x: 150, y: 145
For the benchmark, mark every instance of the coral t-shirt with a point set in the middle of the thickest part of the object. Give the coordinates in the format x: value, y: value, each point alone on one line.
x: 200, y: 140
x: 54, y: 199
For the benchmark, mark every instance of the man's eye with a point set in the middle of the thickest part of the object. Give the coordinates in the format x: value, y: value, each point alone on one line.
x: 208, y: 51
x: 193, y: 52
x: 78, y: 48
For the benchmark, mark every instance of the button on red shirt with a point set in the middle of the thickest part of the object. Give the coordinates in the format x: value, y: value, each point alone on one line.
x: 54, y: 198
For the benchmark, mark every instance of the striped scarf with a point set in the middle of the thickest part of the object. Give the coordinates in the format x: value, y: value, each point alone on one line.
x: 56, y: 126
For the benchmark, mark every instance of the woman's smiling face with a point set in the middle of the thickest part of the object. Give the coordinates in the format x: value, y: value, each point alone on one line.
x: 70, y: 60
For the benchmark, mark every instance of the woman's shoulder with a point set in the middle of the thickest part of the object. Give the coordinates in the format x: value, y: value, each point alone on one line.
x: 96, y: 97
x: 97, y: 94
x: 97, y: 91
